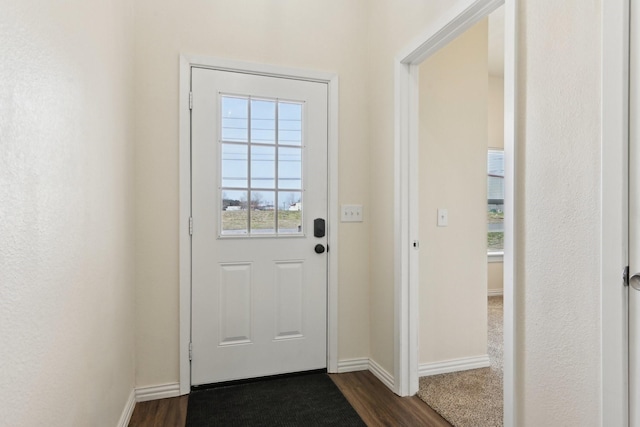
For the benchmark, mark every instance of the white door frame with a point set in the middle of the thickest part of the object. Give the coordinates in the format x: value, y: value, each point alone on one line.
x: 614, y: 393
x: 186, y: 62
x: 614, y: 202
x: 406, y: 192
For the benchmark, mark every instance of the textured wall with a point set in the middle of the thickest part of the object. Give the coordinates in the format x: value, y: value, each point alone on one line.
x: 316, y: 35
x: 452, y: 168
x: 66, y: 212
x: 558, y: 266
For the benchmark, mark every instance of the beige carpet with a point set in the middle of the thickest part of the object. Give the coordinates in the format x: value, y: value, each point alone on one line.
x: 471, y: 398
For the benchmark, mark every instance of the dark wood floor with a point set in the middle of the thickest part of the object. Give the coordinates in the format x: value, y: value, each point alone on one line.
x: 373, y: 401
x: 379, y: 406
x: 170, y: 412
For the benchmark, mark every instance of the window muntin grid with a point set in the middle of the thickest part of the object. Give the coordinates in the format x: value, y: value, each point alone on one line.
x: 261, y: 158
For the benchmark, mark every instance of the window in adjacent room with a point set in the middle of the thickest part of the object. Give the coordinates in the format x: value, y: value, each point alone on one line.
x: 495, y: 202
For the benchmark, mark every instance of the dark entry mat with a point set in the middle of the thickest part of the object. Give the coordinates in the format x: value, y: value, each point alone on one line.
x: 306, y: 400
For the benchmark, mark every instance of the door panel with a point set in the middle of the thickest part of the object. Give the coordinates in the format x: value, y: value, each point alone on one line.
x: 259, y: 179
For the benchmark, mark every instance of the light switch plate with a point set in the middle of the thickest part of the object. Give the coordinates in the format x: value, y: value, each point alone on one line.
x: 351, y: 213
x: 443, y: 217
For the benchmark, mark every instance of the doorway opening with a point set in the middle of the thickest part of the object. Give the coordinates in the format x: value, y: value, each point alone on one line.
x: 407, y: 196
x: 461, y: 202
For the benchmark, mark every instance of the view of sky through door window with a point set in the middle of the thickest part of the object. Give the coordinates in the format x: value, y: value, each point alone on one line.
x: 261, y: 166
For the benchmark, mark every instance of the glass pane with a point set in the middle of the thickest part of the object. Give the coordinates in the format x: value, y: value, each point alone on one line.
x: 263, y: 122
x: 263, y: 167
x: 495, y: 216
x: 235, y: 117
x: 495, y: 200
x: 234, y: 212
x: 263, y: 219
x: 290, y: 212
x: 289, y: 123
x: 290, y: 168
x: 235, y: 165
x: 495, y: 163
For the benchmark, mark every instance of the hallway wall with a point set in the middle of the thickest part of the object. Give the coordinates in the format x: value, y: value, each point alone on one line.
x: 66, y: 212
x: 559, y: 183
x: 316, y: 35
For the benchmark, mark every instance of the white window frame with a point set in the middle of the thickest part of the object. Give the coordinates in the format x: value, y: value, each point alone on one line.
x: 495, y: 256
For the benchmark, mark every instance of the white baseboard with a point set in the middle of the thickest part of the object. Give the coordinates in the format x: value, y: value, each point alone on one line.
x: 128, y: 410
x: 453, y: 365
x: 381, y: 374
x: 495, y: 292
x: 366, y: 364
x: 352, y: 365
x: 161, y: 391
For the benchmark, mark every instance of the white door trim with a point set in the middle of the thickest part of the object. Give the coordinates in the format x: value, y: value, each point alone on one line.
x: 614, y: 393
x: 186, y: 62
x: 406, y: 192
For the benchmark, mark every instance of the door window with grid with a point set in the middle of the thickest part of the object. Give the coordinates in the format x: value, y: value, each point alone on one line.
x: 261, y: 147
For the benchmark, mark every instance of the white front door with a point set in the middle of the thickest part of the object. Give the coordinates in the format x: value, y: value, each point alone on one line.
x: 259, y: 202
x: 634, y: 219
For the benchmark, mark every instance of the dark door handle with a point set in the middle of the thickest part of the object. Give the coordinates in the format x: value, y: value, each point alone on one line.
x: 318, y: 227
x: 319, y: 248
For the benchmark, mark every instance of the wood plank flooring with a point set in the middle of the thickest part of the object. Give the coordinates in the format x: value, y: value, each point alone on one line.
x: 374, y: 402
x: 170, y: 412
x: 379, y: 406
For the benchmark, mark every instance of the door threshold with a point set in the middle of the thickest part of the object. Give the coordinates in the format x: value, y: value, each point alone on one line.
x: 257, y: 379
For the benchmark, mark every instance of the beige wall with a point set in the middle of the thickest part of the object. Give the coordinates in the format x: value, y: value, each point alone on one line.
x: 315, y: 35
x: 559, y: 203
x: 66, y: 212
x: 496, y: 112
x: 495, y: 277
x: 495, y: 270
x: 453, y: 151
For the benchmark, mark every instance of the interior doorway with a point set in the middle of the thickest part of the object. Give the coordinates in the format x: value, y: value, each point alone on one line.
x: 461, y: 191
x: 407, y: 214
